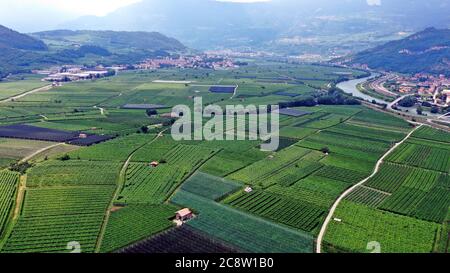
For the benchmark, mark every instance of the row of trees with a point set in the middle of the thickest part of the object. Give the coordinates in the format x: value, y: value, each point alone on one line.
x: 333, y: 97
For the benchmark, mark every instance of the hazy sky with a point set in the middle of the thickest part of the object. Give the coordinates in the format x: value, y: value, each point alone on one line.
x: 77, y: 7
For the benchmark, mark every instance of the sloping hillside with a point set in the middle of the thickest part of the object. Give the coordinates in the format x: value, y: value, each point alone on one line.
x: 13, y: 39
x: 22, y: 53
x: 112, y: 40
x: 426, y: 51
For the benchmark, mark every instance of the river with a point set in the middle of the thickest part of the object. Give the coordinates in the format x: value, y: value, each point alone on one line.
x: 350, y: 87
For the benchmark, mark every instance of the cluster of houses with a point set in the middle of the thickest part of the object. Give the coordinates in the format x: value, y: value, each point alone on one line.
x: 68, y: 73
x: 197, y: 61
x: 436, y: 88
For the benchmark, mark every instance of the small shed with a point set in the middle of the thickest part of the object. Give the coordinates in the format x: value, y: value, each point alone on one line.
x: 154, y: 164
x: 184, y: 215
x: 248, y: 190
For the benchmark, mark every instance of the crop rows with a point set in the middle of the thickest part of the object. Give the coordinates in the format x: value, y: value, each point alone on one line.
x: 247, y: 232
x: 404, y: 201
x: 208, y: 186
x: 367, y: 196
x: 116, y: 150
x: 145, y: 184
x: 8, y: 188
x: 155, y: 151
x: 422, y: 156
x: 184, y: 239
x: 136, y: 222
x: 53, y: 233
x: 73, y: 173
x: 340, y: 174
x: 188, y: 156
x: 376, y: 119
x: 397, y: 234
x: 352, y: 142
x: 429, y: 133
x: 55, y: 201
x: 54, y: 217
x: 390, y: 177
x: 255, y: 173
x: 296, y: 192
x: 421, y: 179
x: 367, y: 133
x: 280, y: 209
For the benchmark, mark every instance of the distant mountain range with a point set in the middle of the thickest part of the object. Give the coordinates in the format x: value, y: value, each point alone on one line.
x: 425, y: 51
x: 291, y: 26
x: 22, y: 53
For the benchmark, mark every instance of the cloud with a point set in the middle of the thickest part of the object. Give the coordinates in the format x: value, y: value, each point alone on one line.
x: 374, y: 2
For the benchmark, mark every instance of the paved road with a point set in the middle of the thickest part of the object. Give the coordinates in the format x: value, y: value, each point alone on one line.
x: 350, y: 190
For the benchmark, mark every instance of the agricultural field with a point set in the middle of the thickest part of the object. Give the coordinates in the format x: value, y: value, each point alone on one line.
x: 249, y: 233
x: 367, y: 196
x: 147, y: 185
x: 422, y: 155
x: 184, y: 239
x: 53, y: 217
x: 116, y: 150
x: 378, y: 120
x: 396, y: 234
x: 23, y: 84
x: 208, y: 186
x: 73, y: 173
x: 12, y: 150
x: 109, y: 197
x: 8, y: 188
x: 408, y: 196
x: 429, y: 133
x: 133, y: 223
x: 257, y: 172
x: 357, y: 147
x: 288, y: 211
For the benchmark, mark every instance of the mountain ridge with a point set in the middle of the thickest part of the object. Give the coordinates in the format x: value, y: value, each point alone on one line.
x: 20, y: 53
x: 425, y: 51
x: 204, y: 23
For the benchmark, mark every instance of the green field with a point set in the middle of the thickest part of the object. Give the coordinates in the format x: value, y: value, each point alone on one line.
x: 8, y: 188
x: 242, y: 230
x: 108, y: 196
x: 150, y: 185
x: 136, y: 222
x: 396, y: 234
x: 26, y: 83
x: 53, y: 217
x: 73, y: 173
x: 208, y: 186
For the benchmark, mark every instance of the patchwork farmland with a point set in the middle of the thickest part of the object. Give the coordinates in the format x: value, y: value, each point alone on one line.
x: 122, y: 192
